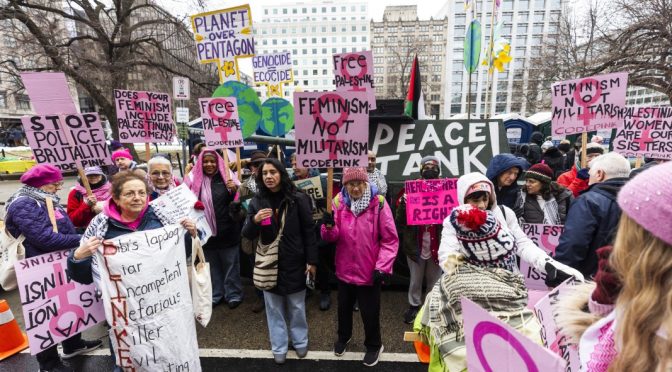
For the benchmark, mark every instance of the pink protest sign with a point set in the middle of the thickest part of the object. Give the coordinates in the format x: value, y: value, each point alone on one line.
x: 67, y: 140
x: 220, y: 122
x: 550, y: 334
x: 55, y: 308
x: 144, y: 117
x: 645, y: 131
x: 49, y: 92
x: 547, y: 238
x: 493, y: 345
x: 588, y: 104
x: 353, y: 72
x: 332, y: 129
x: 429, y: 202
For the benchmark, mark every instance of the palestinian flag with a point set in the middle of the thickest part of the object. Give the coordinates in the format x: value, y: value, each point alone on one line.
x: 414, y: 106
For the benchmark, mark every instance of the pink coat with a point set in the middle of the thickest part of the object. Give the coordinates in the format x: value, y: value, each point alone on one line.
x: 364, y: 243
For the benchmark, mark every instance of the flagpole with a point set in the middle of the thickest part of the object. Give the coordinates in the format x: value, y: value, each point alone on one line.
x: 491, y: 50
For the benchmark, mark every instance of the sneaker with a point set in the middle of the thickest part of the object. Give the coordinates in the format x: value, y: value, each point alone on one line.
x: 59, y: 367
x: 85, y: 347
x: 325, y: 301
x: 410, y: 314
x: 371, y: 357
x: 301, y: 352
x: 279, y: 358
x: 258, y: 306
x: 339, y: 347
x: 234, y: 304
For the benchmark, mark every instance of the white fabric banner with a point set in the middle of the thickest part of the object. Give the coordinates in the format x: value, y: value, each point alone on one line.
x: 147, y: 301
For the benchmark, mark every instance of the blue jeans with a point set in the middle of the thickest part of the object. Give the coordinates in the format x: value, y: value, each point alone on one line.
x: 283, y: 309
x: 225, y: 273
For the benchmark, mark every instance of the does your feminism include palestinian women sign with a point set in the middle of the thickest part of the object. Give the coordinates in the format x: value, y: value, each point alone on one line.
x: 645, y: 131
x: 221, y: 124
x: 147, y: 299
x: 429, y: 202
x: 588, y: 104
x: 67, y: 140
x: 331, y: 129
x: 353, y: 72
x: 144, y: 117
x: 55, y: 307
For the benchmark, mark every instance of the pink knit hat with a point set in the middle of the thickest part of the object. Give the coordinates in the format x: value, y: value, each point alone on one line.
x: 123, y: 153
x: 42, y: 174
x: 355, y: 174
x: 647, y: 199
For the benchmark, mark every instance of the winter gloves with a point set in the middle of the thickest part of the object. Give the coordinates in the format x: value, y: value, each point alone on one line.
x: 556, y: 273
x: 583, y: 174
x: 380, y: 277
x: 328, y: 220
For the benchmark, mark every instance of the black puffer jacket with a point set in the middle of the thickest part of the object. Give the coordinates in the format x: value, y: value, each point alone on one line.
x: 554, y: 159
x: 298, y: 245
x: 531, y: 211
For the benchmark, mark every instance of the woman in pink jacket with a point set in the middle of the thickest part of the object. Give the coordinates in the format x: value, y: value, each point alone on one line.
x: 366, y: 245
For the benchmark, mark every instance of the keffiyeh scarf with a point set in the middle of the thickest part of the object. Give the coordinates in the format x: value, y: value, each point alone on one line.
x: 35, y: 193
x: 358, y: 206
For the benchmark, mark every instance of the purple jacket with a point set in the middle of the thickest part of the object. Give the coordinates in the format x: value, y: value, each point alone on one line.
x: 29, y: 217
x: 364, y: 243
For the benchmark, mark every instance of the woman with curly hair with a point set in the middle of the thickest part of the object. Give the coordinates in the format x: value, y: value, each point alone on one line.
x: 542, y: 200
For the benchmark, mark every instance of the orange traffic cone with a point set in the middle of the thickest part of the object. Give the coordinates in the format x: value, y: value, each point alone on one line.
x: 12, y: 340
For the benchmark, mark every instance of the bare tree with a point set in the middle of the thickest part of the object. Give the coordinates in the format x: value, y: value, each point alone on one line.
x: 102, y: 46
x: 403, y: 51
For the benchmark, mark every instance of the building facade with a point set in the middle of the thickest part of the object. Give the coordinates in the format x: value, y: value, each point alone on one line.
x: 313, y: 32
x: 645, y: 97
x: 395, y: 41
x: 527, y: 24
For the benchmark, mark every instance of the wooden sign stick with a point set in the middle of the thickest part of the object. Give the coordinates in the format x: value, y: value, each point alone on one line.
x: 584, y: 143
x: 330, y: 188
x: 225, y: 152
x: 238, y: 164
x: 638, y: 162
x: 85, y: 181
x: 148, y: 153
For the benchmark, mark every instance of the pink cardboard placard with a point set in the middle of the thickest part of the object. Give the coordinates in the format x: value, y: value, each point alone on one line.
x: 55, y: 308
x: 49, y: 92
x: 67, y: 140
x: 353, y: 72
x: 429, y: 202
x: 144, y: 117
x: 220, y: 122
x: 332, y: 129
x: 645, y: 131
x: 588, y: 104
x: 547, y: 238
x: 550, y: 334
x: 493, y: 345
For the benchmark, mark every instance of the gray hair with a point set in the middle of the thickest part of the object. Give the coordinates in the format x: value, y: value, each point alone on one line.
x: 159, y: 160
x: 612, y: 164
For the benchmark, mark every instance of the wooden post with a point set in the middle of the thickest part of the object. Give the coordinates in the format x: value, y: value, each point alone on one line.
x: 638, y: 162
x: 279, y: 156
x: 584, y: 143
x: 330, y: 188
x: 85, y: 181
x: 238, y: 164
x: 148, y: 152
x: 52, y: 214
x: 225, y: 152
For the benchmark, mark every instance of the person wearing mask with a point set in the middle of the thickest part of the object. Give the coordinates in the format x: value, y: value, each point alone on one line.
x: 216, y: 187
x: 376, y: 177
x: 475, y: 189
x: 280, y: 211
x: 576, y: 179
x: 326, y: 250
x: 541, y: 200
x: 627, y: 325
x: 504, y: 171
x: 593, y: 217
x: 27, y: 214
x: 160, y: 178
x: 421, y: 245
x: 82, y: 208
x: 366, y: 245
x: 126, y: 212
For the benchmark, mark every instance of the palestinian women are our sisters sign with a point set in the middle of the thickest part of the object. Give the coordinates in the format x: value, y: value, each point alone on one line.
x: 147, y: 299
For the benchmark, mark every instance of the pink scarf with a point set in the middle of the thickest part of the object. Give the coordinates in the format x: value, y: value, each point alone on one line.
x: 111, y: 209
x: 199, y: 184
x: 101, y: 193
x: 173, y: 183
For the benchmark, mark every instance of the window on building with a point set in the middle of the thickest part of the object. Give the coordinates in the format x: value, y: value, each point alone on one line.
x: 507, y: 16
x: 265, y: 11
x: 364, y: 28
x: 364, y: 39
x: 538, y: 28
x: 523, y: 17
x: 3, y: 100
x: 294, y: 11
x: 392, y: 29
x: 284, y: 11
x: 314, y: 40
x: 539, y: 16
x: 460, y: 20
x: 455, y: 109
x: 523, y: 4
x: 539, y: 4
x: 22, y: 102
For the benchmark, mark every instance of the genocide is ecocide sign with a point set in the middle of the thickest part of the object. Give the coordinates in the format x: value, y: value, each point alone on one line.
x: 273, y: 70
x: 588, y: 104
x: 222, y: 36
x: 144, y: 117
x: 67, y: 140
x: 331, y: 129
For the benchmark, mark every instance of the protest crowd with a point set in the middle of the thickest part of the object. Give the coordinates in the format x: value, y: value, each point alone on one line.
x: 561, y: 248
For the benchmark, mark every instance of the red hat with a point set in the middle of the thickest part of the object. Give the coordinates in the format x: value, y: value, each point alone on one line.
x: 41, y: 174
x: 355, y: 174
x: 541, y: 172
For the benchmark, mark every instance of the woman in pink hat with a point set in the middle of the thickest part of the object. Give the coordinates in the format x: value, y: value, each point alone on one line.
x: 27, y: 214
x: 366, y: 245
